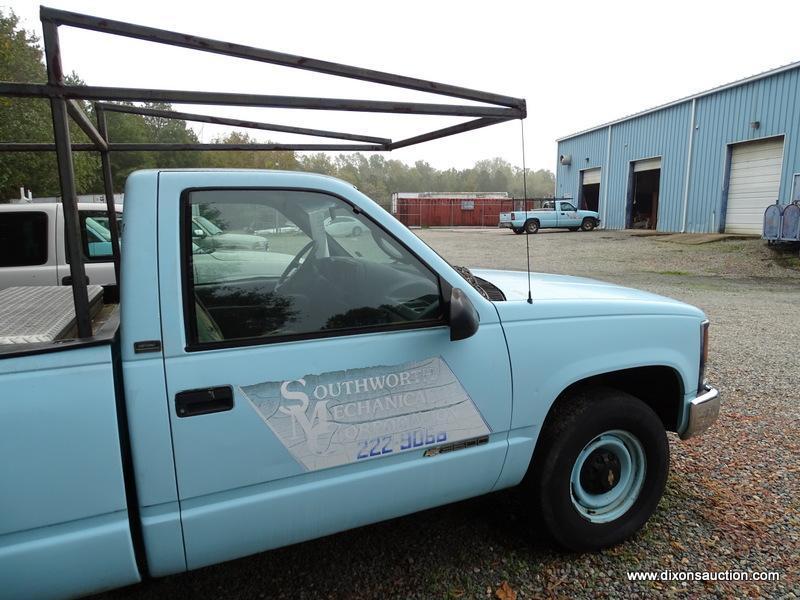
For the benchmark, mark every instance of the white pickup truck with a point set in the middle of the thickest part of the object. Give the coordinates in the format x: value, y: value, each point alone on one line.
x: 32, y: 249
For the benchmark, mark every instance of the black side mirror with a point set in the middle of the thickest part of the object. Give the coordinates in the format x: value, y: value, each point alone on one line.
x: 464, y: 318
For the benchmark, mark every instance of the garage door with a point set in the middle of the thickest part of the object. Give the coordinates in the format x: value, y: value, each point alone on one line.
x: 591, y: 176
x: 648, y: 164
x: 754, y: 184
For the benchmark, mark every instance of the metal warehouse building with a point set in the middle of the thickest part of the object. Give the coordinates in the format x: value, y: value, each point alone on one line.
x: 711, y: 162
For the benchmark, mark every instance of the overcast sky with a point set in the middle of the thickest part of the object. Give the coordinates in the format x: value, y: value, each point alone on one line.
x: 578, y: 64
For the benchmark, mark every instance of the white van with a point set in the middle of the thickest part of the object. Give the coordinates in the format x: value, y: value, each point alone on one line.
x: 32, y: 250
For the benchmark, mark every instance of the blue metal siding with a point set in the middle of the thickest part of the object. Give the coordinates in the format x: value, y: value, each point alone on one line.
x: 665, y: 134
x: 722, y: 118
x: 588, y: 151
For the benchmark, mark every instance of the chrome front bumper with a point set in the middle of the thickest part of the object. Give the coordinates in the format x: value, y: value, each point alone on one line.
x: 703, y: 411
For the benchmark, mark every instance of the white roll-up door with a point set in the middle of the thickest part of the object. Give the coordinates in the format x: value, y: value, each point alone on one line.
x: 754, y: 183
x: 649, y: 164
x: 591, y: 176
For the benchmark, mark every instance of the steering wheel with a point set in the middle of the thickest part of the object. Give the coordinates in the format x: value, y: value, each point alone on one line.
x: 294, y: 265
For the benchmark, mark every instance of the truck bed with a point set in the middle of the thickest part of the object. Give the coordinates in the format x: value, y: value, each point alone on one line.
x: 63, y: 505
x: 36, y: 314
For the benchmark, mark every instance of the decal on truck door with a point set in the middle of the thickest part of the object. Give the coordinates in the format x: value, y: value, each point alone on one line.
x: 341, y: 417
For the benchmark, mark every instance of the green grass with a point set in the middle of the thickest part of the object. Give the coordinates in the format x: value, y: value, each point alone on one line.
x: 788, y: 262
x: 786, y: 256
x: 730, y: 246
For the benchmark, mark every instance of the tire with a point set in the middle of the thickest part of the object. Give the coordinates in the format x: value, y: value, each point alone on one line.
x: 588, y: 224
x: 532, y: 226
x: 574, y: 228
x: 517, y: 230
x: 580, y: 460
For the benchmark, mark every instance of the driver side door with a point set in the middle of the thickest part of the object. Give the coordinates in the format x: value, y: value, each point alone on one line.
x: 324, y: 395
x: 568, y: 215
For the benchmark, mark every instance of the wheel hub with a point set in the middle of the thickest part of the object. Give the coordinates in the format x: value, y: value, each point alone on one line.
x: 601, y: 472
x: 607, y: 476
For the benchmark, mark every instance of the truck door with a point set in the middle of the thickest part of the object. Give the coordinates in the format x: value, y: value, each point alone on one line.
x: 568, y: 215
x: 547, y: 215
x: 313, y: 386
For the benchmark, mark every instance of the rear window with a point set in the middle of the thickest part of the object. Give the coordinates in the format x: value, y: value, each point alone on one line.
x: 23, y: 239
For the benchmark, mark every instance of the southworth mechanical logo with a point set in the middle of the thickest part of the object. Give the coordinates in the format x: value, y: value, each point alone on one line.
x: 335, y: 418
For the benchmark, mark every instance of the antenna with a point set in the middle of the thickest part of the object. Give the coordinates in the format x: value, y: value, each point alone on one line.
x: 525, y: 207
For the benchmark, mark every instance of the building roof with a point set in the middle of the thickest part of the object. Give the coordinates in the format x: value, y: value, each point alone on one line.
x: 714, y: 90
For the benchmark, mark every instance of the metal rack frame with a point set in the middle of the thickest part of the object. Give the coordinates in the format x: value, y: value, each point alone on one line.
x: 496, y: 108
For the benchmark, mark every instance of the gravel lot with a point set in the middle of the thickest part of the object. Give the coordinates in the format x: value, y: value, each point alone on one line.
x: 733, y: 495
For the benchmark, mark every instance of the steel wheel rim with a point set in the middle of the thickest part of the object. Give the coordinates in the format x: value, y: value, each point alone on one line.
x: 621, y: 449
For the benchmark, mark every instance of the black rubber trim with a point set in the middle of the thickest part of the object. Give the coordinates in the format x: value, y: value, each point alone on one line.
x: 131, y: 495
x: 187, y: 277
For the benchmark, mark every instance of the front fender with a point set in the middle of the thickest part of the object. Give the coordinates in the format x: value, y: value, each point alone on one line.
x: 549, y: 355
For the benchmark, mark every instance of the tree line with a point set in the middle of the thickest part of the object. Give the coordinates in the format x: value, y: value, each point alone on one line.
x: 29, y: 120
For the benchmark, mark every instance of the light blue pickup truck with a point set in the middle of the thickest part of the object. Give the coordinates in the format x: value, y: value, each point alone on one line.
x: 233, y: 405
x: 551, y: 214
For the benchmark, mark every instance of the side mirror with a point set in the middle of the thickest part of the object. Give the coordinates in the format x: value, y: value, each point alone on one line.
x: 464, y: 318
x: 198, y: 233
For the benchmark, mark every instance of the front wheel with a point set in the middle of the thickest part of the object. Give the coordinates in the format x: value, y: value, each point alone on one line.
x: 532, y: 226
x: 588, y: 224
x: 599, y: 469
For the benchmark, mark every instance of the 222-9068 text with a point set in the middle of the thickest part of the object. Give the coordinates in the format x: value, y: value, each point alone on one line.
x: 386, y: 444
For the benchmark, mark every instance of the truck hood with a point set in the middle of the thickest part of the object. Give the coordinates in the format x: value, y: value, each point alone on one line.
x: 243, y: 240
x: 546, y: 286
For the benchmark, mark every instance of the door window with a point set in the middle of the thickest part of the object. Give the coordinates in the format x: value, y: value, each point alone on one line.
x: 95, y: 236
x: 23, y: 239
x: 272, y: 265
x: 566, y: 206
